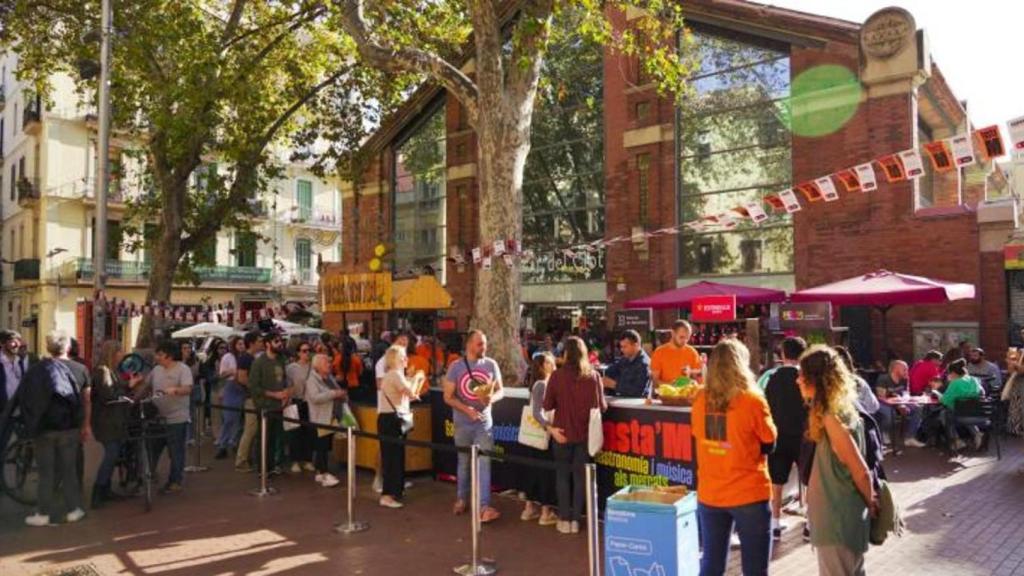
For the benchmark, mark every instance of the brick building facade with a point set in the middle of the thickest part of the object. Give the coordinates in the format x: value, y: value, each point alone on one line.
x: 950, y: 227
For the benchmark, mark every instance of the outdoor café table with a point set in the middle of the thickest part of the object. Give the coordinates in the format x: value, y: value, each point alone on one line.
x: 898, y: 418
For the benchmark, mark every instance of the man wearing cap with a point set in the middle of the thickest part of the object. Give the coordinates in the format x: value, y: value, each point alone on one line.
x: 986, y: 372
x: 268, y: 386
x: 14, y: 365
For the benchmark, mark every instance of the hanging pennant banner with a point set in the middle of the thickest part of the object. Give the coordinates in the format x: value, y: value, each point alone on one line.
x: 913, y: 167
x: 487, y: 263
x: 810, y: 191
x: 775, y: 202
x: 726, y: 221
x: 940, y: 154
x: 893, y: 168
x: 499, y: 247
x: 849, y: 179
x: 753, y: 210
x: 866, y: 175
x: 513, y: 246
x: 963, y: 150
x: 990, y: 142
x: 827, y: 189
x: 789, y: 202
x: 508, y: 259
x: 477, y: 255
x: 1016, y: 127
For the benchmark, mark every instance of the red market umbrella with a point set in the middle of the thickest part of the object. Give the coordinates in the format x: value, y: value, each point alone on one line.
x: 684, y: 296
x: 884, y: 289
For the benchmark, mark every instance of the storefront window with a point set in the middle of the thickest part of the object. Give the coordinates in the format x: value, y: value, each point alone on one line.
x: 563, y: 183
x: 734, y: 148
x: 420, y: 202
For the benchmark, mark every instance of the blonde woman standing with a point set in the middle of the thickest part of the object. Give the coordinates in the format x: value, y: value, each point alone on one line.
x: 734, y: 432
x: 396, y: 391
x: 840, y: 497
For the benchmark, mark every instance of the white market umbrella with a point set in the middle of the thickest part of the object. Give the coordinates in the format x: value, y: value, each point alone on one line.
x: 293, y: 329
x: 206, y: 330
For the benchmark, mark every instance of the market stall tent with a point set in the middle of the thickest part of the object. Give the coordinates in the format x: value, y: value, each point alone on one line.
x: 683, y: 297
x: 206, y: 330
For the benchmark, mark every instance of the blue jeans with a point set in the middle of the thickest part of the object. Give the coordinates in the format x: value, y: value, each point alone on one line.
x: 175, y: 443
x: 467, y: 434
x: 111, y: 451
x: 912, y: 420
x: 230, y: 421
x: 753, y: 523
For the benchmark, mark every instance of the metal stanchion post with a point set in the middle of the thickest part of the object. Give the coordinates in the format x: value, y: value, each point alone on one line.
x: 197, y: 435
x: 352, y: 525
x: 265, y: 489
x: 593, y: 548
x: 475, y: 568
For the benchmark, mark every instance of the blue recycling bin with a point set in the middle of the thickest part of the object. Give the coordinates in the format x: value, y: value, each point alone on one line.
x: 650, y: 533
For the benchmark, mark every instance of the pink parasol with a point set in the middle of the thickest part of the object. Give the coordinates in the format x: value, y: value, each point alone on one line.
x: 684, y: 296
x: 884, y: 288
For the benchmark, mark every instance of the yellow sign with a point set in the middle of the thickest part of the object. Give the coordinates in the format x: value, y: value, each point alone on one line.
x: 355, y: 292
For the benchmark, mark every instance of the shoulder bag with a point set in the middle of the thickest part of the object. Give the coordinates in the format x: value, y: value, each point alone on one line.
x: 404, y: 418
x: 595, y: 428
x: 531, y: 433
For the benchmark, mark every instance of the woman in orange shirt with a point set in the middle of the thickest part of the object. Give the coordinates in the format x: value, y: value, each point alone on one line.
x: 734, y: 432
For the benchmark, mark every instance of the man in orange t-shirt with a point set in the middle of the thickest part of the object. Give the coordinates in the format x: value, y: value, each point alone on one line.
x: 670, y: 360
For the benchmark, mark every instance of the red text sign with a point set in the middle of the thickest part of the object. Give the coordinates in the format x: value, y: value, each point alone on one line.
x: 713, y: 309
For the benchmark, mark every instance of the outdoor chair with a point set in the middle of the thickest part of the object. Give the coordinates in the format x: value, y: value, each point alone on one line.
x: 981, y: 412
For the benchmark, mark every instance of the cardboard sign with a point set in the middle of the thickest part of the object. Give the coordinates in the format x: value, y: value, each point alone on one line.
x: 827, y: 189
x: 866, y: 175
x: 713, y: 309
x: 941, y: 155
x: 810, y: 191
x: 1016, y: 127
x: 789, y: 201
x: 963, y: 150
x: 990, y: 142
x: 913, y: 167
x: 893, y: 168
x: 639, y: 319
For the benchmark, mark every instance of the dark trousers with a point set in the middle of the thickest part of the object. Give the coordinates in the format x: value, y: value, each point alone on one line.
x: 111, y: 451
x: 570, y: 459
x: 753, y: 523
x: 300, y: 440
x: 537, y: 483
x: 275, y: 444
x: 174, y: 441
x: 321, y: 450
x: 57, y: 456
x: 392, y: 455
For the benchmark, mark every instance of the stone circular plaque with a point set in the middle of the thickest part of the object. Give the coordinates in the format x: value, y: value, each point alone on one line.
x: 887, y: 32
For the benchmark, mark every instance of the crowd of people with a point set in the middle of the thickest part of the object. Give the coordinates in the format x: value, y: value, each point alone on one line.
x: 812, y: 413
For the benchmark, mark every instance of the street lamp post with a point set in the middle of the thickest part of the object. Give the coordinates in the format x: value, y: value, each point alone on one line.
x: 99, y: 323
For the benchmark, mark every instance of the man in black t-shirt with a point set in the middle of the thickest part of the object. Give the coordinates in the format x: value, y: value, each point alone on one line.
x: 253, y: 346
x: 790, y: 415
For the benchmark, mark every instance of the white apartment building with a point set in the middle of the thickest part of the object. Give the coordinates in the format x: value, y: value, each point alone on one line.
x: 47, y: 212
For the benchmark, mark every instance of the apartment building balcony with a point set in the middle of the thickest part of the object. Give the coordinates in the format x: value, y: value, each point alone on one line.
x: 306, y: 217
x: 32, y: 115
x: 26, y: 269
x: 28, y: 191
x: 82, y: 269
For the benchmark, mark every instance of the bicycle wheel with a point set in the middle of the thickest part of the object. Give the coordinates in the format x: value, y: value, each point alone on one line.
x: 147, y: 475
x: 20, y: 476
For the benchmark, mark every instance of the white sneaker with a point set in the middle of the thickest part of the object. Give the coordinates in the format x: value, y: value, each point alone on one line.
x: 574, y: 527
x: 308, y: 467
x: 388, y: 502
x: 734, y: 540
x: 915, y: 443
x: 564, y: 527
x: 328, y: 480
x: 408, y: 484
x: 38, y: 520
x: 295, y: 469
x: 319, y: 478
x: 75, y: 515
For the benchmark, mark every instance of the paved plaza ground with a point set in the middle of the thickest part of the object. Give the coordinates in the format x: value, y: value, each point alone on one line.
x: 965, y: 517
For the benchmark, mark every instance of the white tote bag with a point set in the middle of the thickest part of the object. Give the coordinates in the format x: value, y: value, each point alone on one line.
x: 290, y: 411
x: 531, y: 433
x: 595, y: 430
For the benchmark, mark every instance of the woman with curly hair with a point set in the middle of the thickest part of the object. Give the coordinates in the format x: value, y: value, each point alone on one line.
x: 734, y: 432
x: 840, y: 497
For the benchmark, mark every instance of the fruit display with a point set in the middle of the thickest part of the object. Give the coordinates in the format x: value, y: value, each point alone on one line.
x: 681, y: 393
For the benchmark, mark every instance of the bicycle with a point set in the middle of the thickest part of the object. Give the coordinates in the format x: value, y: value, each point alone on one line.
x: 20, y: 474
x: 134, y: 466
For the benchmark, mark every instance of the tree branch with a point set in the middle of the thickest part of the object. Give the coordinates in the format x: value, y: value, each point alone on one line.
x: 528, y: 49
x: 210, y: 221
x: 487, y: 36
x: 273, y: 23
x: 392, y: 59
x: 232, y: 24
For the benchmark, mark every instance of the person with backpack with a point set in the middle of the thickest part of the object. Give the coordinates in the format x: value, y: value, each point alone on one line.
x: 790, y: 417
x: 53, y: 406
x: 841, y: 497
